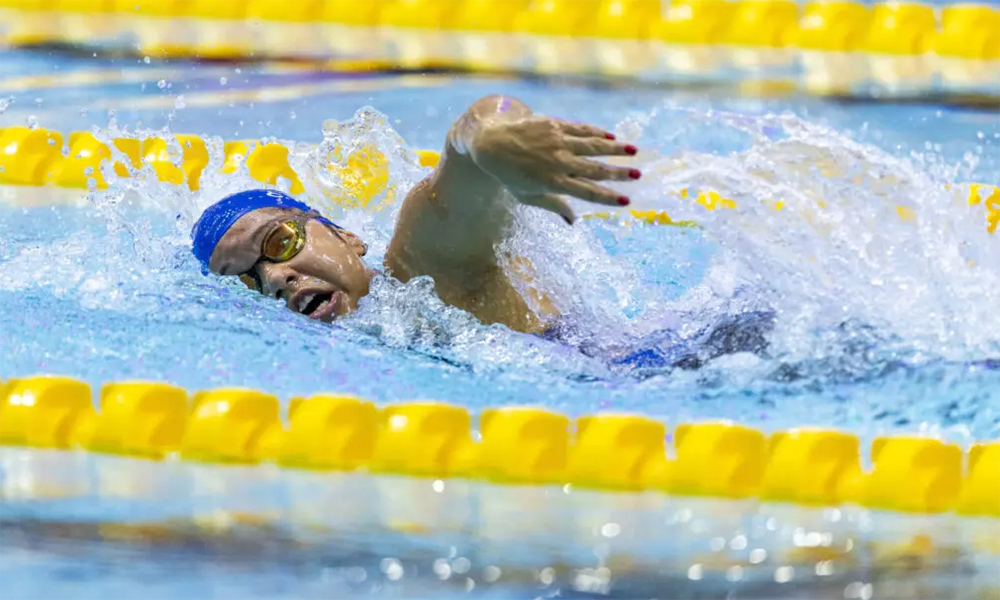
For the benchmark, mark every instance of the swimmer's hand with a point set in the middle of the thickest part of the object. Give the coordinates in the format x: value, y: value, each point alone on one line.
x: 452, y: 223
x: 538, y: 159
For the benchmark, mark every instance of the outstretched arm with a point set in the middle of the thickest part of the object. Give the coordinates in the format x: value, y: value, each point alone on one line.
x: 497, y: 154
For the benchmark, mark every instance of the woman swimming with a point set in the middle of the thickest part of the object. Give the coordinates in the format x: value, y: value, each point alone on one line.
x: 496, y: 155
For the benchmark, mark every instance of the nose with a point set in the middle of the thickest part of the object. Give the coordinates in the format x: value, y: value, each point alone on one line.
x: 278, y: 279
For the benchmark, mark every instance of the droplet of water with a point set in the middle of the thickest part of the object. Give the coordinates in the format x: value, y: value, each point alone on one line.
x: 161, y: 83
x: 222, y: 80
x: 292, y: 115
x: 179, y: 102
x: 145, y: 59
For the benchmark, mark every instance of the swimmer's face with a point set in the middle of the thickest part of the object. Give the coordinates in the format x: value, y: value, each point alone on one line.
x: 324, y: 279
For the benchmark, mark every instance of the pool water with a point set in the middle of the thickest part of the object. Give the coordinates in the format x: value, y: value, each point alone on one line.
x: 882, y: 324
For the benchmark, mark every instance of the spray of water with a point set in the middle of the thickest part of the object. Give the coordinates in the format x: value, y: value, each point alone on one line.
x: 853, y: 248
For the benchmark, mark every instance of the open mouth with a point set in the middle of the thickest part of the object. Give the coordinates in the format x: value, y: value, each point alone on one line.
x: 311, y: 303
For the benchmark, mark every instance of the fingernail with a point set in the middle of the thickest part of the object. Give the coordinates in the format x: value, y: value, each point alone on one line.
x: 635, y: 173
x: 623, y: 200
x: 609, y: 136
x: 631, y: 150
x: 568, y: 220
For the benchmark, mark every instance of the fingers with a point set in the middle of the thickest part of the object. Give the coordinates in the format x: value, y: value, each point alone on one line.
x: 590, y: 169
x: 591, y: 192
x: 551, y: 203
x: 583, y: 130
x: 582, y: 146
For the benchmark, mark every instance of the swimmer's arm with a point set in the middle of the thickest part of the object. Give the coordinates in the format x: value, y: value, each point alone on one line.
x: 496, y: 155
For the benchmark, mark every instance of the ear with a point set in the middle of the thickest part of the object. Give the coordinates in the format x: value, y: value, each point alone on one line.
x: 353, y: 242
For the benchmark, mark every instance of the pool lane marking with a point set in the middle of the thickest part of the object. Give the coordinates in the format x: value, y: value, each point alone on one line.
x: 31, y: 83
x: 138, y: 74
x: 263, y: 95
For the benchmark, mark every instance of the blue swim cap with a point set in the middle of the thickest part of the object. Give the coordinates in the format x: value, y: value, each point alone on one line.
x: 219, y: 217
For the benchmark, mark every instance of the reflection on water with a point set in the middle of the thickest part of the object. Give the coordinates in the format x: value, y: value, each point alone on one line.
x: 92, y: 560
x: 116, y: 524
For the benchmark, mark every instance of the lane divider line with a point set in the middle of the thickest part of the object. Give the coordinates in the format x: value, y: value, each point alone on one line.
x: 510, y: 445
x: 36, y: 157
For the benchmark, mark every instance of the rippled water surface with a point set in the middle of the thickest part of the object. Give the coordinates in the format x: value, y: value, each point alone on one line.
x: 883, y: 282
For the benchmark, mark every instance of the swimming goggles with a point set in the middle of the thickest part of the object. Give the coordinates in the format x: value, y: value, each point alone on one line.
x: 281, y: 244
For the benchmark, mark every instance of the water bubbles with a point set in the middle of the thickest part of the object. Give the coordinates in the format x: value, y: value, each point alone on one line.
x: 858, y: 590
x: 392, y: 569
x: 461, y: 565
x: 695, y: 572
x: 611, y: 530
x: 162, y: 84
x: 32, y: 122
x: 442, y: 568
x: 824, y: 568
x: 355, y: 574
x: 596, y: 581
x: 784, y: 574
x: 492, y: 574
x: 145, y: 59
x: 292, y: 115
x: 179, y: 102
x: 223, y: 80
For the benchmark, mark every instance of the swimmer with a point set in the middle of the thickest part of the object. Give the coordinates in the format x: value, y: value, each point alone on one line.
x: 496, y: 155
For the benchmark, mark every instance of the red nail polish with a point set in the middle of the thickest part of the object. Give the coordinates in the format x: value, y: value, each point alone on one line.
x: 635, y: 173
x: 631, y: 150
x: 609, y: 136
x: 623, y: 201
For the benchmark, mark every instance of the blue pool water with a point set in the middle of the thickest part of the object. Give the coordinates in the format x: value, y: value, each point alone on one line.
x: 881, y: 325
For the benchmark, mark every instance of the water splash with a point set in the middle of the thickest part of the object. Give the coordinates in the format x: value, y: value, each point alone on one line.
x: 864, y: 249
x: 870, y: 264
